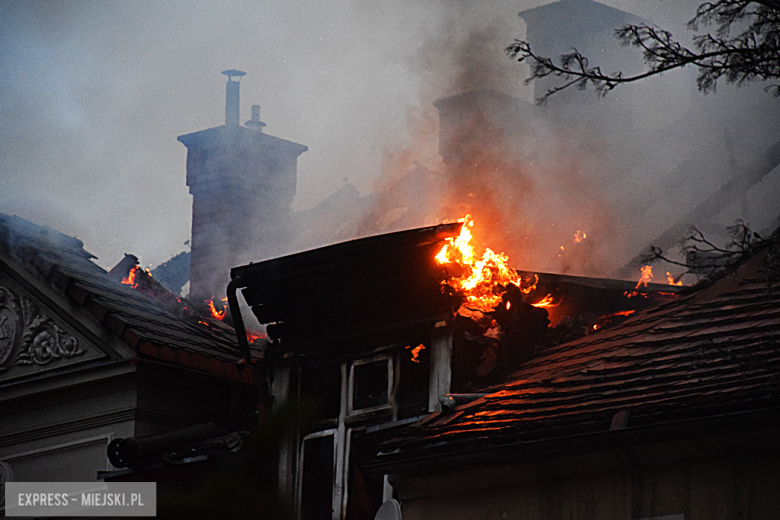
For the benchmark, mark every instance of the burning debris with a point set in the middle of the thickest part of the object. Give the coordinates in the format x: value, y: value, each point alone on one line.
x: 610, y: 320
x: 121, y: 270
x: 547, y: 301
x: 127, y: 273
x: 505, y: 317
x: 646, y: 278
x: 253, y: 336
x: 496, y: 322
x: 481, y: 281
x: 130, y: 279
x: 405, y: 284
x: 416, y: 352
x: 672, y: 280
x: 215, y: 313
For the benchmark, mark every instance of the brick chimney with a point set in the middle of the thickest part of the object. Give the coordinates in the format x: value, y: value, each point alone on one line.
x: 242, y: 183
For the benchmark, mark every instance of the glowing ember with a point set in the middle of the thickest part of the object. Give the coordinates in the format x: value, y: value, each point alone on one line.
x: 483, y: 281
x: 220, y: 315
x: 416, y: 352
x: 253, y: 336
x: 606, y: 320
x: 547, y: 301
x: 579, y: 236
x: 670, y: 279
x: 130, y: 278
x: 647, y: 276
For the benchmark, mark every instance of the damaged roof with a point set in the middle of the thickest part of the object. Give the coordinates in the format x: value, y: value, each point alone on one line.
x: 171, y: 333
x: 712, y: 352
x: 350, y: 288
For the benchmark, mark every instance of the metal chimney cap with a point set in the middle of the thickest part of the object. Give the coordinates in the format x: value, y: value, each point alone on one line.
x: 255, y: 122
x: 230, y: 73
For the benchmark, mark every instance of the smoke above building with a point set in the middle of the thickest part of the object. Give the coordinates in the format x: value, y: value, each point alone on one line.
x: 411, y: 112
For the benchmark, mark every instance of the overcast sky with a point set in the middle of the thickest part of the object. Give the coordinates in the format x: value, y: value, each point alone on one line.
x: 94, y: 94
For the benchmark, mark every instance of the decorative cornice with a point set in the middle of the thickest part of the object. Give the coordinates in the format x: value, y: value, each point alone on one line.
x: 30, y: 337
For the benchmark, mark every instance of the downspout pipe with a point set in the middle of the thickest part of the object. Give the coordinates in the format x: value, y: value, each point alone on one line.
x: 238, y: 322
x: 243, y: 343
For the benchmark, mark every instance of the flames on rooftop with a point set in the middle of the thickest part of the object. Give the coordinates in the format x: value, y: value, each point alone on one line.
x: 481, y: 280
x: 505, y: 316
x: 399, y: 285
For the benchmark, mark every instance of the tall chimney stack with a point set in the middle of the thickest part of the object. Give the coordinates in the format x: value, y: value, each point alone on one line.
x: 242, y: 183
x: 232, y: 96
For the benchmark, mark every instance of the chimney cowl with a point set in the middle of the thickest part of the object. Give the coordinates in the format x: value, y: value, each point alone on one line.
x: 231, y: 73
x: 232, y: 96
x: 255, y: 123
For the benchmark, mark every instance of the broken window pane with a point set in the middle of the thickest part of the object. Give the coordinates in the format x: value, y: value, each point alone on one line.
x: 317, y: 478
x: 370, y: 385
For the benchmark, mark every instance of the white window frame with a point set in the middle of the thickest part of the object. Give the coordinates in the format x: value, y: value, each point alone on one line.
x: 335, y: 503
x: 390, y: 405
x: 342, y: 434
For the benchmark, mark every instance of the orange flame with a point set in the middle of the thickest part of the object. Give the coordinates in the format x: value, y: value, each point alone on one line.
x: 416, y: 352
x: 253, y: 336
x: 670, y: 279
x: 646, y: 278
x: 482, y: 281
x: 579, y: 236
x: 603, y: 319
x: 545, y: 302
x: 130, y: 278
x: 220, y: 315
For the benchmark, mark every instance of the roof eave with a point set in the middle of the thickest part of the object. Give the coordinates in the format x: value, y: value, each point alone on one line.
x: 494, y: 452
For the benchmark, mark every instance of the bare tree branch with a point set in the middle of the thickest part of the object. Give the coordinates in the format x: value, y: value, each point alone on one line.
x: 751, y: 55
x: 704, y: 258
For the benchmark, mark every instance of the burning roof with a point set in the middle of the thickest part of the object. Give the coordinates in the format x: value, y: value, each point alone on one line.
x: 384, y: 285
x: 349, y: 288
x: 153, y: 327
x: 711, y: 354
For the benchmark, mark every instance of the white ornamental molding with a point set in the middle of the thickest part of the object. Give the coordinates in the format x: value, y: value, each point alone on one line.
x: 29, y: 337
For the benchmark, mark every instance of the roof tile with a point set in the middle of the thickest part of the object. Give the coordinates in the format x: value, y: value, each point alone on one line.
x: 713, y: 349
x: 135, y: 317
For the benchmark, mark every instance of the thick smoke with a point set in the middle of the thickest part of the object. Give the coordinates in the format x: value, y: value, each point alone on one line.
x: 525, y: 178
x: 620, y: 169
x: 93, y: 95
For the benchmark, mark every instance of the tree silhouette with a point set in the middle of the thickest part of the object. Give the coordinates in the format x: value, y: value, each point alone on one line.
x: 752, y: 53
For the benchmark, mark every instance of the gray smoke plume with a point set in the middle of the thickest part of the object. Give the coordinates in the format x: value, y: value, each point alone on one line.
x: 93, y: 95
